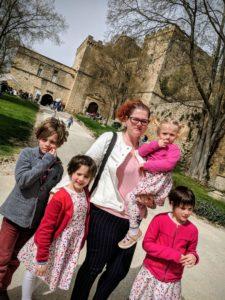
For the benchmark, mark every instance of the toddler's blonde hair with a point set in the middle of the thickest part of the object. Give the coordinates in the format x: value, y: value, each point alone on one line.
x: 170, y: 122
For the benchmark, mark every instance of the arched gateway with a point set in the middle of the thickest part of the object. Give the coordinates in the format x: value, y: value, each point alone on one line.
x: 46, y: 99
x: 92, y: 108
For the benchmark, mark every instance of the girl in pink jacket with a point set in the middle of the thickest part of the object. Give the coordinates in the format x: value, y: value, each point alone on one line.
x: 161, y: 157
x: 170, y: 243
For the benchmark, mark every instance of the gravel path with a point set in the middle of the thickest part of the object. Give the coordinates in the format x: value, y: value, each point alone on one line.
x: 206, y: 281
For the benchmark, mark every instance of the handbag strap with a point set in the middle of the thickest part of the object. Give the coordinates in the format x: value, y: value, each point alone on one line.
x: 105, y: 158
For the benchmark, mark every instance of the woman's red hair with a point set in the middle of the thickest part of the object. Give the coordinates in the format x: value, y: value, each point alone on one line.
x: 127, y: 108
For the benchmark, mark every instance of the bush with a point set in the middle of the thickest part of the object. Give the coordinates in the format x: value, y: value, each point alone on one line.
x: 211, y: 212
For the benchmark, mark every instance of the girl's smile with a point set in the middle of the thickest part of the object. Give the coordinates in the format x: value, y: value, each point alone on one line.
x: 80, y: 178
x: 182, y: 213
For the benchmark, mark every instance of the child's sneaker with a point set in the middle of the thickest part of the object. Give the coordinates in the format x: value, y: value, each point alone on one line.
x: 129, y: 240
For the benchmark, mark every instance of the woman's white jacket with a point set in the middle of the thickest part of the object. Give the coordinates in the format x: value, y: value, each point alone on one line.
x: 106, y: 193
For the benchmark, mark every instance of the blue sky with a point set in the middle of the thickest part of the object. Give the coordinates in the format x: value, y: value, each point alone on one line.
x: 84, y: 17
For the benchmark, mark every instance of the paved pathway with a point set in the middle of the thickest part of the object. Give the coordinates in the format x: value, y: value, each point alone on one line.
x: 203, y: 282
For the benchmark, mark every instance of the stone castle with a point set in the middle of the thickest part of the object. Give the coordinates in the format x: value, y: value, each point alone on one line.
x: 160, y: 58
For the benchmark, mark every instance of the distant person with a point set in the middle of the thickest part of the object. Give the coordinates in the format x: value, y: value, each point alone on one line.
x: 69, y: 121
x: 57, y: 104
x: 162, y: 157
x: 52, y: 254
x: 54, y: 113
x: 170, y: 244
x: 14, y: 92
x: 37, y: 171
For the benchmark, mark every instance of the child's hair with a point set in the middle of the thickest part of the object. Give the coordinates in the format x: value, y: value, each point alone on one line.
x: 82, y: 160
x: 181, y: 196
x: 51, y: 126
x: 170, y: 122
x: 127, y: 108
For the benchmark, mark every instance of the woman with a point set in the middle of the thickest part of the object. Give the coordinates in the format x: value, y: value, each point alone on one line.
x: 109, y: 218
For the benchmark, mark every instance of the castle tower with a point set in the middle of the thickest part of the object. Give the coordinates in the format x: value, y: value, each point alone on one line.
x: 82, y: 93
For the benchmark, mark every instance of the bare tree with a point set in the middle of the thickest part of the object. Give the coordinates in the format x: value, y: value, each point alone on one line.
x: 202, y: 22
x: 112, y: 70
x: 26, y: 21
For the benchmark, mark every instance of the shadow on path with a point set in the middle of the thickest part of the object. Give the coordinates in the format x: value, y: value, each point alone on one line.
x: 121, y: 292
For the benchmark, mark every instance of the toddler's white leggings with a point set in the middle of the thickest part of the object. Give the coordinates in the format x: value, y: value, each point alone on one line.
x: 29, y: 285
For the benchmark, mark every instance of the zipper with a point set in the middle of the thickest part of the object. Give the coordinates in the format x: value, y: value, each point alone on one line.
x: 172, y: 247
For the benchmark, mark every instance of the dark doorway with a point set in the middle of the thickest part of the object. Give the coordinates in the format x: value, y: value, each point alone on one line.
x: 46, y: 100
x: 92, y: 108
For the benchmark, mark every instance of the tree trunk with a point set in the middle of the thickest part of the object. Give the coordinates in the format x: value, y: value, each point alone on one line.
x: 201, y: 152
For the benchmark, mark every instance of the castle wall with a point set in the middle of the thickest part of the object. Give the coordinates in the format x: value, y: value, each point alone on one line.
x: 26, y: 67
x: 149, y: 65
x: 162, y: 63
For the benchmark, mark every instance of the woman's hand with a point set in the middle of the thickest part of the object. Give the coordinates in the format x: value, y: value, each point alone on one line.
x: 40, y: 270
x: 146, y: 200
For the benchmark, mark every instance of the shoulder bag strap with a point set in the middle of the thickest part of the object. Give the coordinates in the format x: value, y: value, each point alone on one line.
x: 105, y: 158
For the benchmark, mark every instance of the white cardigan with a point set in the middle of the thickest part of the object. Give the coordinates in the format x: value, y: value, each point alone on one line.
x: 106, y: 193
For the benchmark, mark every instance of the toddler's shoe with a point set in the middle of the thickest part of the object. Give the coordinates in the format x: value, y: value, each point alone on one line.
x: 129, y: 240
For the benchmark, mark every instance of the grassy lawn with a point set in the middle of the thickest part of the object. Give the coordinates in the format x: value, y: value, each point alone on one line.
x: 206, y: 206
x: 17, y: 118
x: 96, y: 127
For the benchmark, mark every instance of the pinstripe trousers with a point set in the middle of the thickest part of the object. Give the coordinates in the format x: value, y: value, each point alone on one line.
x: 106, y: 230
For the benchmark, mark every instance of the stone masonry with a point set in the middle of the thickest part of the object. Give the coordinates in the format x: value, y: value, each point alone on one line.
x: 161, y: 57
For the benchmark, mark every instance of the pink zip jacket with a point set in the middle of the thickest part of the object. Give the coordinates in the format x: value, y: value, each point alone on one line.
x: 164, y: 243
x: 159, y: 159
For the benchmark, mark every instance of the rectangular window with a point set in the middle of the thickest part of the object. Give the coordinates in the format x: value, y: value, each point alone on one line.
x: 55, y: 75
x: 40, y: 70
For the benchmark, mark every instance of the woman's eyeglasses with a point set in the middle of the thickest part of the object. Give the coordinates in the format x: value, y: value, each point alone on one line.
x: 135, y: 121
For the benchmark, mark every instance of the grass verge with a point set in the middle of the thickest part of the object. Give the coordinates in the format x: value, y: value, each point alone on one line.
x: 17, y: 117
x: 96, y: 127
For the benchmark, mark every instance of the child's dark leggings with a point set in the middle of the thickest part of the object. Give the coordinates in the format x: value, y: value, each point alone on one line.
x: 106, y: 230
x: 12, y: 239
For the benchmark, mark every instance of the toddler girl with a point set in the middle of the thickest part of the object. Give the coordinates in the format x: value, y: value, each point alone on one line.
x: 170, y: 243
x: 53, y: 253
x: 162, y: 156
